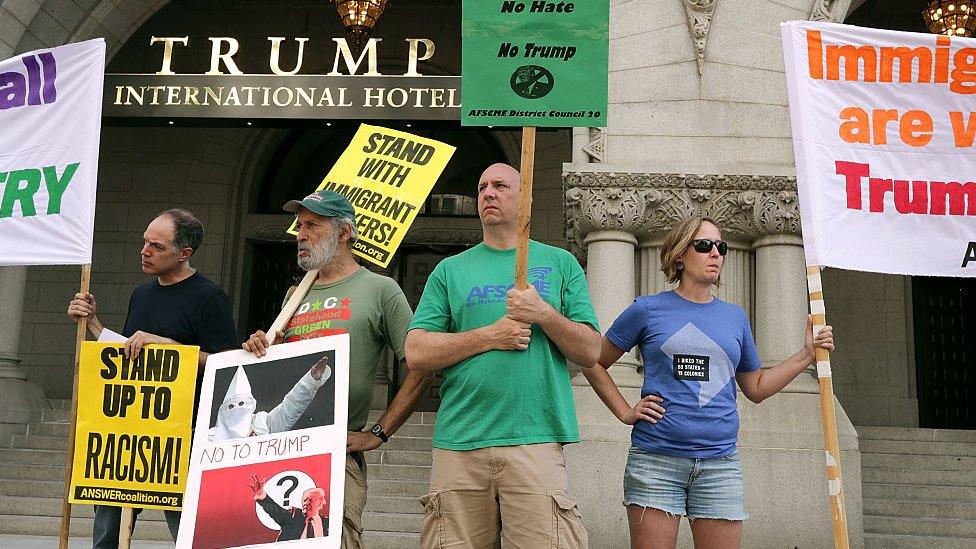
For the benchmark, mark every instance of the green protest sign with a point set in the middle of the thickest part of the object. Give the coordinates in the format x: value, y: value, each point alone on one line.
x: 534, y: 63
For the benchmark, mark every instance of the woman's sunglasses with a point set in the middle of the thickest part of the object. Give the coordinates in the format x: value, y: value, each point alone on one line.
x: 704, y: 246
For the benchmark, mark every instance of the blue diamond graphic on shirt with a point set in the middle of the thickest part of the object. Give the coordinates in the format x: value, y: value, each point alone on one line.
x: 689, y: 340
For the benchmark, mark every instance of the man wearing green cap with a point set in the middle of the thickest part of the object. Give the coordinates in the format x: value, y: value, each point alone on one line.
x: 371, y: 308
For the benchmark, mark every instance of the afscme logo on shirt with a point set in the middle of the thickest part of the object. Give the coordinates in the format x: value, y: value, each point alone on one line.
x: 497, y: 293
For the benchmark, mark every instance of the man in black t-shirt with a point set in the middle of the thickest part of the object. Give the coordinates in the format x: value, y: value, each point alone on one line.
x: 181, y: 306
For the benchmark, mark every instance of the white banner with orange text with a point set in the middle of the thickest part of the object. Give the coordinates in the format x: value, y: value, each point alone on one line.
x: 884, y: 125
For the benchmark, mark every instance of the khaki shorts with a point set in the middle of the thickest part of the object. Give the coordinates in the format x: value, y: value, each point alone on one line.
x: 518, y: 492
x: 353, y: 503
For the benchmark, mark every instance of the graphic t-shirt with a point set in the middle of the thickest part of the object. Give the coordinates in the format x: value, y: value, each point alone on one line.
x: 691, y: 353
x: 504, y: 398
x: 372, y: 309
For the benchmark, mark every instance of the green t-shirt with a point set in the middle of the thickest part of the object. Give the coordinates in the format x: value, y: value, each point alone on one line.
x: 372, y: 309
x: 504, y: 398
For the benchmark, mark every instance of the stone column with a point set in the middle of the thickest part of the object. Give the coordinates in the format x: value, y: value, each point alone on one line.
x: 581, y: 138
x: 650, y: 278
x: 781, y: 440
x: 612, y: 280
x: 781, y: 299
x: 609, y: 218
x: 781, y: 288
x: 604, y: 216
x: 13, y: 283
x: 22, y: 400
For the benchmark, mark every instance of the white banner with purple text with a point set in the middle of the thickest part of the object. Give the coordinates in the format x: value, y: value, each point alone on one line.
x: 50, y: 122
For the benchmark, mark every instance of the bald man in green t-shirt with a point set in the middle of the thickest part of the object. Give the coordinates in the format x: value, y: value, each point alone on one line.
x: 506, y: 401
x: 371, y: 308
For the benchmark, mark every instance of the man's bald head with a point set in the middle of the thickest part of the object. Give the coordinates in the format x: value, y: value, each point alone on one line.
x: 498, y: 196
x: 501, y: 171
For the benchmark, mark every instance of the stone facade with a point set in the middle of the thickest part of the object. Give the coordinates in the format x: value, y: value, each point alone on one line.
x: 698, y: 124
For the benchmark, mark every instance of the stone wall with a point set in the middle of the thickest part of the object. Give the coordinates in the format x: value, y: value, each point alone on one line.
x: 700, y: 90
x: 874, y: 365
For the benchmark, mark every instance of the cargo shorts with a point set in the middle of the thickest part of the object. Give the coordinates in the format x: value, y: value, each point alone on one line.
x: 516, y: 492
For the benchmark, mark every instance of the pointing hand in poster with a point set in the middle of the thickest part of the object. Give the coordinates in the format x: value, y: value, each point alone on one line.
x: 320, y: 368
x: 309, y: 521
x: 239, y: 414
x: 258, y: 343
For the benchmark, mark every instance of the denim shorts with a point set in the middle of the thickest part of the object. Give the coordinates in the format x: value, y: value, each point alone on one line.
x: 697, y: 488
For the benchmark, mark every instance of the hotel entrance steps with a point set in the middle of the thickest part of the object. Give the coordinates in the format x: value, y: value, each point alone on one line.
x: 918, y: 487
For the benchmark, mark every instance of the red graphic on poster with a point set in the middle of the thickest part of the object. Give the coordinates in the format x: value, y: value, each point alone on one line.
x: 228, y: 516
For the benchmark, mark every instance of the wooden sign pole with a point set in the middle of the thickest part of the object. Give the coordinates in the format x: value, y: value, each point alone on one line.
x: 526, y: 170
x: 79, y: 338
x: 291, y: 305
x: 125, y: 528
x: 828, y: 415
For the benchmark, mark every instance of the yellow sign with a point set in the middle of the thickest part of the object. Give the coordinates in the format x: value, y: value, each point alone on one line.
x: 132, y: 437
x: 386, y: 175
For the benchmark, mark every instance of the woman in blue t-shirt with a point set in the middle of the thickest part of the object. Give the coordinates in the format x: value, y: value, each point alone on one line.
x: 684, y: 462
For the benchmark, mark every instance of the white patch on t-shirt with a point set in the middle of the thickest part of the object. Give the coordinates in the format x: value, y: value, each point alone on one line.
x: 689, y: 340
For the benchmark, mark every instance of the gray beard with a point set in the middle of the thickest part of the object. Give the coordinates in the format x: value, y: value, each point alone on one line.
x: 319, y: 256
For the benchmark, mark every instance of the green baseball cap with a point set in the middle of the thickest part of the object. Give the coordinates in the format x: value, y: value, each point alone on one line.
x: 325, y: 203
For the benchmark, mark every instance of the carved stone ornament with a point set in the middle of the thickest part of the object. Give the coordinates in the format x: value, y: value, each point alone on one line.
x: 822, y: 11
x: 607, y: 208
x: 596, y: 148
x: 699, y: 15
x: 647, y: 205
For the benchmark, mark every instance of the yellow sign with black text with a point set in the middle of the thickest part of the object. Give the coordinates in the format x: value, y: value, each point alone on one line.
x: 132, y: 435
x: 386, y: 175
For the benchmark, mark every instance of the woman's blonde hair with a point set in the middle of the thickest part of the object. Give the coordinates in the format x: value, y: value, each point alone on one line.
x: 677, y: 242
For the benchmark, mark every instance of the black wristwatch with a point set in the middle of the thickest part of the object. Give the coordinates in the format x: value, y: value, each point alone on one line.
x: 378, y: 431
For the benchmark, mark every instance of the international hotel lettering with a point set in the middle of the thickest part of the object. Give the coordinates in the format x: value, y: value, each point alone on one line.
x: 353, y: 88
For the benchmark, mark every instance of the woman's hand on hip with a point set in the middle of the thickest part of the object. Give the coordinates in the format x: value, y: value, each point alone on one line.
x: 647, y: 409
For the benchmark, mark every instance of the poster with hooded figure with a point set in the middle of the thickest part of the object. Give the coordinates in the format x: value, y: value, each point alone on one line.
x: 268, y: 457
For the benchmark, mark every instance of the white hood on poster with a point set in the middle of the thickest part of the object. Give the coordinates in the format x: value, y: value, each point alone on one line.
x: 237, y: 409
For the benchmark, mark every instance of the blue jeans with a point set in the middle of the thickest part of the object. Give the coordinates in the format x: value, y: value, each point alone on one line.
x: 697, y: 488
x: 108, y: 520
